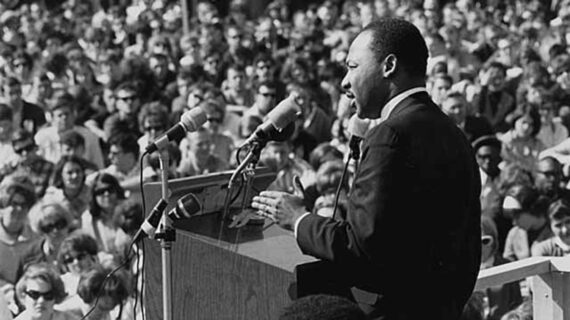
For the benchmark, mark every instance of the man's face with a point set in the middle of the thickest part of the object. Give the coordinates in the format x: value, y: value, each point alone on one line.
x: 364, y: 81
x: 439, y: 90
x: 13, y: 93
x: 159, y: 66
x: 265, y: 99
x: 14, y: 215
x: 122, y: 160
x: 127, y: 102
x: 455, y: 109
x: 234, y: 37
x: 496, y: 79
x: 561, y: 229
x: 263, y: 70
x: 63, y: 118
x: 548, y: 176
x: 236, y: 79
x: 488, y: 158
x: 201, y: 145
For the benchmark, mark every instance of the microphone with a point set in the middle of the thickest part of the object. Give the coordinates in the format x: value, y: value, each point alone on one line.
x: 279, y: 125
x: 185, y: 208
x: 357, y: 128
x: 189, y: 121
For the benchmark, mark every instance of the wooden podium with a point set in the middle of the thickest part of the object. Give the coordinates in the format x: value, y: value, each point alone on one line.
x: 220, y: 272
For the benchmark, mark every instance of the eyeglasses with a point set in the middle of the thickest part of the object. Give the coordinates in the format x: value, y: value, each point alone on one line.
x: 268, y: 94
x: 101, y: 191
x: 212, y: 119
x: 79, y: 257
x: 155, y: 128
x: 58, y: 225
x: 486, y: 240
x: 128, y: 98
x: 27, y: 148
x: 35, y: 295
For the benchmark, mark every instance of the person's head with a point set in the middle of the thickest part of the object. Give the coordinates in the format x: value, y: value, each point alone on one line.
x: 12, y: 90
x: 23, y: 143
x: 112, y: 291
x: 559, y: 216
x: 497, y: 73
x: 264, y: 67
x: 388, y: 56
x: 69, y: 173
x: 200, y: 144
x: 526, y: 207
x: 488, y: 154
x: 526, y: 122
x: 235, y: 76
x: 52, y: 221
x: 153, y: 119
x: 323, y: 153
x: 63, y: 110
x: 454, y: 106
x: 72, y: 143
x: 78, y: 253
x: 440, y: 85
x: 216, y: 112
x: 234, y: 35
x: 39, y: 289
x: 127, y: 99
x: 158, y: 63
x: 548, y: 176
x: 107, y: 192
x: 276, y: 155
x: 435, y: 44
x: 329, y: 176
x: 265, y: 98
x: 124, y: 152
x: 6, y: 122
x: 16, y: 198
x: 322, y: 307
x: 129, y: 216
x: 489, y: 238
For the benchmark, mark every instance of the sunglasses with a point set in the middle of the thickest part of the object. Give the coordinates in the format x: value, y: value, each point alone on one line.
x: 129, y: 98
x: 155, y: 128
x: 101, y: 191
x: 58, y: 225
x: 79, y: 257
x: 486, y: 240
x: 35, y: 295
x: 267, y: 94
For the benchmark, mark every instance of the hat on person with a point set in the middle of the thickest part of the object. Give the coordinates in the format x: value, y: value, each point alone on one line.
x: 487, y: 140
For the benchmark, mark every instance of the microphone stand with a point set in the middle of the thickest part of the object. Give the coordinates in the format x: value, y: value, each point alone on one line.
x: 166, y: 236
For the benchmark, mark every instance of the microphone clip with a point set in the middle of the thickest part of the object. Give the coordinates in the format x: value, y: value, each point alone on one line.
x: 167, y: 234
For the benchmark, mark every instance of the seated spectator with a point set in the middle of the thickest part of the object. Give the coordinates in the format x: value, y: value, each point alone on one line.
x: 236, y: 91
x: 223, y: 143
x: 153, y: 121
x: 30, y: 117
x: 454, y: 106
x: 16, y: 197
x: 77, y: 255
x: 39, y: 289
x: 73, y: 144
x: 278, y: 156
x: 264, y: 102
x: 124, y: 121
x: 528, y: 211
x: 552, y: 131
x: 315, y: 121
x: 559, y: 244
x: 520, y: 144
x: 129, y: 216
x: 560, y: 152
x: 153, y: 172
x: 6, y: 129
x: 322, y: 307
x: 199, y: 157
x: 63, y: 113
x: 53, y: 223
x: 439, y: 84
x: 500, y: 298
x: 30, y: 164
x: 493, y: 102
x: 68, y: 187
x: 488, y: 155
x: 548, y: 179
x: 99, y: 221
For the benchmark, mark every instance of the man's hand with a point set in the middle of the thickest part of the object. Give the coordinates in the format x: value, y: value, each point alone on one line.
x: 281, y: 207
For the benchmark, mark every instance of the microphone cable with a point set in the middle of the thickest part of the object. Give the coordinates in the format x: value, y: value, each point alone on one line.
x: 339, y: 187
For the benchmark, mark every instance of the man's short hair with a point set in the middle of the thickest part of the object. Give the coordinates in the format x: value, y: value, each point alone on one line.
x: 127, y: 142
x: 61, y: 99
x: 72, y: 138
x: 487, y: 140
x: 401, y: 38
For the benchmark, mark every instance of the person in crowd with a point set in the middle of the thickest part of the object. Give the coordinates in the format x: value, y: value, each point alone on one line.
x: 53, y: 223
x: 315, y: 121
x: 520, y: 144
x: 385, y: 78
x: 265, y: 101
x: 236, y: 91
x: 153, y: 121
x: 222, y: 142
x: 199, y: 158
x: 128, y: 103
x: 559, y: 244
x: 455, y: 106
x: 328, y: 178
x: 129, y: 216
x: 72, y: 143
x: 548, y: 179
x: 552, y: 131
x: 493, y: 102
x: 6, y: 131
x: 26, y: 115
x: 528, y: 212
x: 501, y: 298
x: 124, y: 154
x: 17, y: 196
x: 68, y: 187
x: 99, y: 220
x: 77, y: 255
x: 39, y: 290
x: 439, y: 84
x: 63, y: 113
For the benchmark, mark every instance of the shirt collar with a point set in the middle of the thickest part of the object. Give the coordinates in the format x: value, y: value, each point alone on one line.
x: 392, y: 103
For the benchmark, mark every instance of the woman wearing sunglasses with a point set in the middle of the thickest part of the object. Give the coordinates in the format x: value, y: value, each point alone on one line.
x: 501, y: 299
x: 39, y: 289
x: 77, y: 255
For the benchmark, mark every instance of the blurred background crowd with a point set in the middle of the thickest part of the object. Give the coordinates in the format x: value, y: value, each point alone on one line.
x: 85, y: 86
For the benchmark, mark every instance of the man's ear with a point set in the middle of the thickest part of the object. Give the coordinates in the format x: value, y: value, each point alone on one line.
x: 390, y: 65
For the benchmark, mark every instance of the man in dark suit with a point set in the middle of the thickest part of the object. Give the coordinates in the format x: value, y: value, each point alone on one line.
x: 411, y: 237
x: 455, y: 106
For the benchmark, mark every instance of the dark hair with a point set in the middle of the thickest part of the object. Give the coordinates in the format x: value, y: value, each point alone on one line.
x: 132, y: 214
x: 155, y: 110
x: 401, y: 38
x: 62, y: 99
x: 6, y: 112
x: 57, y: 180
x: 497, y: 65
x: 527, y: 110
x: 329, y: 176
x: 17, y: 184
x: 322, y: 153
x: 12, y: 81
x: 77, y: 242
x: 92, y: 284
x: 72, y: 138
x: 322, y: 307
x: 530, y: 201
x: 45, y: 272
x: 114, y: 185
x: 559, y: 209
x: 127, y: 142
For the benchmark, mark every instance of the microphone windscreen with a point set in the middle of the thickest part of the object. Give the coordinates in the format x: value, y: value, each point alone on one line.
x: 186, y: 207
x: 358, y: 127
x: 193, y: 119
x: 284, y: 113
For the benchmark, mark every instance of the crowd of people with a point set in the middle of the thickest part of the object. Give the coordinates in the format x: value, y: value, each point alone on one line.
x: 87, y: 85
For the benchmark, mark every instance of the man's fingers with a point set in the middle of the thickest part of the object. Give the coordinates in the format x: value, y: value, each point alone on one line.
x: 272, y: 194
x: 265, y: 200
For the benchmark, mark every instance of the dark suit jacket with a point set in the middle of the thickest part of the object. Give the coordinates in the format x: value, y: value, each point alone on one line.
x: 476, y: 127
x: 412, y: 232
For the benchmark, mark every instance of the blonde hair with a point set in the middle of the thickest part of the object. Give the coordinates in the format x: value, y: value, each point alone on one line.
x: 47, y: 210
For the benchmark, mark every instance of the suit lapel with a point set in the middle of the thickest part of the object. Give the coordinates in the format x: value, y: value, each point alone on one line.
x: 420, y: 97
